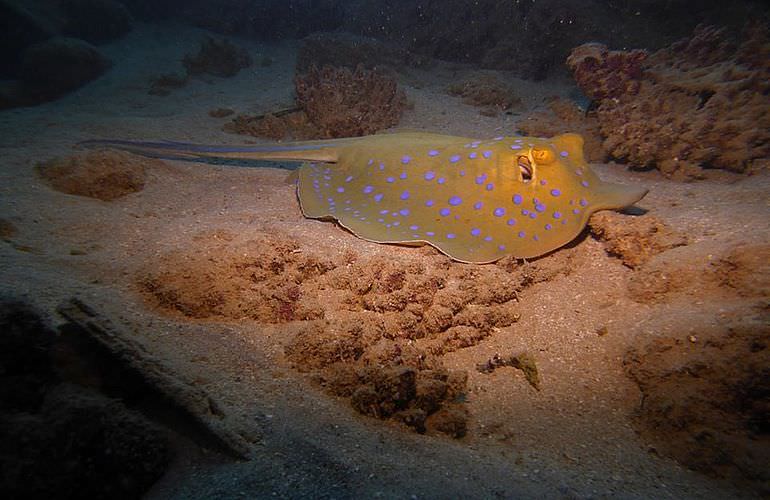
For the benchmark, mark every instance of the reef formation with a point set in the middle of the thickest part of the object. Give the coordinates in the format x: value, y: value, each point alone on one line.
x: 702, y: 102
x: 331, y: 102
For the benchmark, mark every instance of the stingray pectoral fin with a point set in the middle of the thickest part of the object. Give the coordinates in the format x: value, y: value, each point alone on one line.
x: 615, y: 196
x: 311, y: 199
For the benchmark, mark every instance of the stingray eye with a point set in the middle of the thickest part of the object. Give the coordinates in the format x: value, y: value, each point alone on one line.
x: 525, y: 167
x: 542, y: 155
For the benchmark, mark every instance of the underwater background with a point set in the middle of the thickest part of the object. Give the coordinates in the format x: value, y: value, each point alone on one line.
x: 180, y: 325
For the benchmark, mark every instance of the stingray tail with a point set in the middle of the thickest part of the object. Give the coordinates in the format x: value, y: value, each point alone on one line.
x: 326, y: 151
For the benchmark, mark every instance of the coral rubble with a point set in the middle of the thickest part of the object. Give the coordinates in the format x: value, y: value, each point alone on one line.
x: 703, y: 102
x: 371, y: 331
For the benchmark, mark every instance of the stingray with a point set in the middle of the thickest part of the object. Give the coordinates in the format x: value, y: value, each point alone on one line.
x: 474, y: 200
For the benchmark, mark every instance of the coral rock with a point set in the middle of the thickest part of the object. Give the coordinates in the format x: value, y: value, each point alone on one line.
x: 703, y: 102
x: 602, y: 73
x: 57, y: 66
x: 345, y: 103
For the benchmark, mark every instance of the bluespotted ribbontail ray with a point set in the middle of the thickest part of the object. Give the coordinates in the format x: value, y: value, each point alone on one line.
x: 474, y: 200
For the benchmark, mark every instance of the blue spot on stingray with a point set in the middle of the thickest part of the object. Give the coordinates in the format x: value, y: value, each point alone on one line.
x: 368, y: 189
x: 429, y: 203
x: 584, y: 183
x: 405, y: 195
x: 499, y: 212
x: 444, y: 212
x: 487, y: 238
x: 390, y: 180
x: 441, y: 180
x: 543, y: 182
x: 564, y: 154
x: 473, y: 155
x: 430, y: 233
x: 555, y: 192
x: 432, y: 152
x: 348, y: 178
x: 383, y: 212
x: 378, y: 197
x: 540, y: 207
x: 575, y: 211
x: 414, y: 228
x: 515, y: 146
x: 406, y: 159
x: 517, y: 199
x: 454, y: 158
x: 451, y: 236
x: 557, y: 215
x: 429, y: 176
x: 521, y: 234
x: 402, y: 176
x: 510, y: 222
x: 340, y: 189
x: 548, y: 227
x: 532, y: 215
x: 490, y: 186
x: 478, y: 205
x: 481, y: 178
x: 524, y: 211
x: 370, y: 161
x: 455, y: 200
x: 501, y: 248
x: 583, y: 202
x: 535, y: 238
x: 487, y: 154
x: 475, y: 231
x: 382, y: 166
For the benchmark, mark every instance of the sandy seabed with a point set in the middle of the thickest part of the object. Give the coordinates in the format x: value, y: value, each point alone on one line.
x: 637, y: 353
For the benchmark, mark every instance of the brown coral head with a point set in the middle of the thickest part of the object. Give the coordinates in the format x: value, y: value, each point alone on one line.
x: 345, y: 103
x: 602, y: 74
